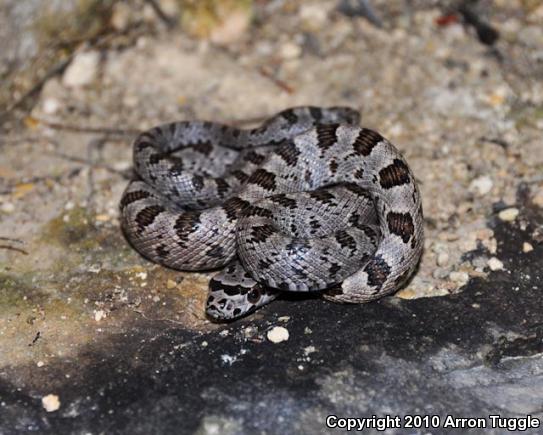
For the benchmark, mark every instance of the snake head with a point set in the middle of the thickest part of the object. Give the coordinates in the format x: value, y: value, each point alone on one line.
x: 229, y: 301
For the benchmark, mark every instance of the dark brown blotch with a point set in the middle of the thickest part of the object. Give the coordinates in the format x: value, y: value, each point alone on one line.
x: 283, y: 200
x: 255, y: 158
x: 326, y: 135
x: 378, y: 271
x: 322, y: 196
x: 186, y: 224
x: 401, y: 224
x: 345, y: 240
x: 147, y: 216
x: 222, y: 187
x: 395, y: 174
x: 216, y: 252
x: 254, y: 210
x: 130, y: 197
x: 198, y: 182
x: 290, y: 116
x: 333, y: 165
x: 264, y: 179
x: 316, y: 113
x: 261, y: 233
x: 289, y: 154
x: 161, y: 251
x: 366, y: 141
x: 234, y: 206
x: 240, y: 176
x: 203, y: 147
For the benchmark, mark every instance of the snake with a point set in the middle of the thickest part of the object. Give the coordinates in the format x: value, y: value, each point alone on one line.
x: 309, y: 201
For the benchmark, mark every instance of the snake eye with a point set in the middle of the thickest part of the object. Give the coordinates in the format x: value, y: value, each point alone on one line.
x: 253, y: 296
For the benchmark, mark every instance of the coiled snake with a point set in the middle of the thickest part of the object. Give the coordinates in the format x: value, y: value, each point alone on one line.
x: 309, y: 201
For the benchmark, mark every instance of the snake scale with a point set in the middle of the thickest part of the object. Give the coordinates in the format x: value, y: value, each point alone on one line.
x: 308, y: 201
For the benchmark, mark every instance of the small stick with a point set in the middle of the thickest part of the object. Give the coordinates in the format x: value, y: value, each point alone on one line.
x: 161, y: 14
x: 9, y: 239
x: 85, y: 129
x: 278, y: 82
x: 13, y: 248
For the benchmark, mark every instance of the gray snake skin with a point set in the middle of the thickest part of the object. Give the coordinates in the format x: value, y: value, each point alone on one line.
x: 309, y: 201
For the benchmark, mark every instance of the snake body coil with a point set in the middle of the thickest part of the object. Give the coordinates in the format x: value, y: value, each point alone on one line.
x: 308, y: 201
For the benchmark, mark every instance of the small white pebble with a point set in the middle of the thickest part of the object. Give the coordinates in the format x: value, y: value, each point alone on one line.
x: 460, y: 278
x: 509, y: 214
x: 284, y: 318
x: 527, y: 247
x: 442, y: 259
x: 50, y: 402
x: 204, y: 344
x: 290, y: 50
x: 224, y: 333
x: 309, y: 349
x: 99, y: 315
x: 277, y: 334
x: 40, y: 363
x: 142, y: 275
x: 228, y: 359
x: 495, y: 264
x: 8, y: 207
x: 481, y: 185
x: 156, y: 298
x: 51, y: 106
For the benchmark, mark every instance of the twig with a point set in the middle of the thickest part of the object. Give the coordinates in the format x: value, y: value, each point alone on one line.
x: 278, y: 82
x: 56, y: 69
x: 86, y: 129
x: 170, y: 23
x: 90, y: 163
x: 13, y: 248
x: 9, y: 188
x: 9, y: 239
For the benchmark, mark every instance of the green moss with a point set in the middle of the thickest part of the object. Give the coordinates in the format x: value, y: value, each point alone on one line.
x: 71, y: 228
x: 200, y: 17
x: 72, y: 24
x: 526, y: 116
x: 17, y: 292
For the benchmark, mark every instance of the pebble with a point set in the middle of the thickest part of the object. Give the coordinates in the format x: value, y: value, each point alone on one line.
x: 460, y: 278
x: 531, y: 36
x: 313, y: 16
x: 527, y: 247
x: 538, y: 198
x: 290, y: 50
x: 481, y: 185
x: 170, y: 284
x: 40, y: 363
x: 231, y: 28
x: 7, y: 207
x: 82, y: 70
x: 495, y: 264
x: 509, y: 214
x: 99, y: 315
x: 50, y: 402
x: 442, y: 259
x: 121, y: 15
x: 277, y: 334
x: 51, y: 106
x: 440, y: 273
